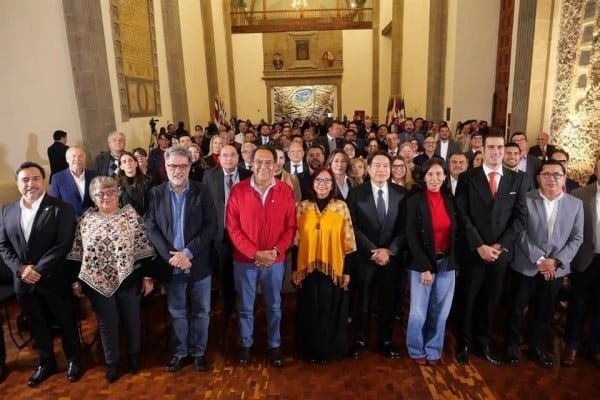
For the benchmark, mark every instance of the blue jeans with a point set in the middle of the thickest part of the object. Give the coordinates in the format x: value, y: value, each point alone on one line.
x: 429, y: 309
x: 190, y: 324
x: 246, y: 277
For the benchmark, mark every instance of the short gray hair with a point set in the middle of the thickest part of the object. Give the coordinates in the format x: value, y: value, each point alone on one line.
x: 178, y: 151
x: 102, y: 182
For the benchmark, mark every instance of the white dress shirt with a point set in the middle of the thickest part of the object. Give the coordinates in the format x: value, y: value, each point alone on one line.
x: 386, y: 197
x: 551, y: 207
x: 28, y: 216
x: 487, y: 171
x: 444, y: 148
x: 80, y: 183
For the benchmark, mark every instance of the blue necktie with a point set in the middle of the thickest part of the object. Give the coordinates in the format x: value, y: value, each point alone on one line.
x: 295, y: 170
x: 380, y: 206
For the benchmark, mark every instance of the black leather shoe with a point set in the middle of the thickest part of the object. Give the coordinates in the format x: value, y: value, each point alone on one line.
x: 175, y: 364
x: 357, y: 349
x: 538, y: 355
x: 133, y: 363
x: 200, y: 364
x: 112, y: 373
x: 388, y: 350
x: 485, y: 352
x: 462, y: 355
x: 243, y: 355
x: 275, y: 357
x: 40, y: 375
x: 512, y: 355
x: 74, y: 371
x: 3, y: 372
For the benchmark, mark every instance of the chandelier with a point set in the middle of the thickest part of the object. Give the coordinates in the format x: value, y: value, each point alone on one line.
x: 299, y: 4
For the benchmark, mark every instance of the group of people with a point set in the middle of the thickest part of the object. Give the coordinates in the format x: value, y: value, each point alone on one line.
x: 354, y: 208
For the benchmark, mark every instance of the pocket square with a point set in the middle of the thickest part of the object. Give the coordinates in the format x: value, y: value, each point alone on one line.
x: 513, y: 193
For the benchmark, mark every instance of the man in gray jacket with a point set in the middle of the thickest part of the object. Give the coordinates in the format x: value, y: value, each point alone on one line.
x: 543, y: 256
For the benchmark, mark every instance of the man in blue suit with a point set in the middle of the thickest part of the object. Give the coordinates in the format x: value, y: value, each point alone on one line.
x: 72, y: 185
x: 182, y: 223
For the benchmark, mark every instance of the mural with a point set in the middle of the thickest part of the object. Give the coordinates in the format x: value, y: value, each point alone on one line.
x: 303, y: 101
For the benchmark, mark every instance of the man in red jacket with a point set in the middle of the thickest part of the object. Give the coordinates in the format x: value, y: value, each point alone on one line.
x: 261, y: 223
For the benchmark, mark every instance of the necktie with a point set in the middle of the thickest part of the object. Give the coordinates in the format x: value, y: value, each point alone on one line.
x: 493, y: 184
x: 296, y: 170
x: 229, y: 181
x: 113, y: 167
x: 380, y: 206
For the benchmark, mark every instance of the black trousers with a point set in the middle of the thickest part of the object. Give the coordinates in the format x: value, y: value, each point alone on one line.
x: 41, y: 308
x: 480, y: 287
x: 585, y: 296
x: 540, y: 295
x: 225, y: 262
x: 124, y: 303
x: 368, y: 277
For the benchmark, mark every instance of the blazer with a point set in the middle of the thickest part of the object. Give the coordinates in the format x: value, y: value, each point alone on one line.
x: 487, y: 220
x: 57, y: 153
x: 63, y: 187
x: 533, y: 166
x: 369, y: 232
x: 536, y: 150
x: 453, y: 147
x: 571, y: 185
x: 420, y: 241
x: 323, y: 141
x: 50, y: 240
x: 214, y: 179
x: 566, y: 238
x: 288, y: 166
x: 102, y: 163
x: 200, y: 225
x: 585, y: 255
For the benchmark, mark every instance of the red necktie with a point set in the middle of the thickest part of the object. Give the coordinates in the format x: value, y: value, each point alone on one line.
x: 493, y: 184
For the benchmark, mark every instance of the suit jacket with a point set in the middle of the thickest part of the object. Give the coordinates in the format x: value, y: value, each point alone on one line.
x: 566, y: 238
x: 63, y: 187
x: 200, y: 225
x: 453, y: 147
x: 571, y: 185
x: 288, y: 166
x: 214, y: 179
x: 324, y: 141
x: 369, y: 233
x: 533, y: 166
x: 585, y: 255
x: 420, y: 241
x: 57, y: 156
x: 536, y: 151
x: 102, y: 163
x: 487, y: 220
x: 50, y: 240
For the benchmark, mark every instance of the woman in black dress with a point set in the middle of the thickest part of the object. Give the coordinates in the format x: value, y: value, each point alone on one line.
x: 133, y: 184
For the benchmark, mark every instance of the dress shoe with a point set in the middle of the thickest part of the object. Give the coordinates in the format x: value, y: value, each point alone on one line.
x: 538, y: 355
x: 275, y: 357
x: 388, y: 350
x: 569, y: 358
x: 357, y: 349
x: 74, y: 371
x: 434, y: 362
x: 462, y: 355
x: 200, y: 364
x: 133, y: 363
x: 485, y: 352
x: 112, y: 373
x: 175, y: 364
x: 420, y: 360
x: 512, y: 355
x: 3, y: 372
x: 40, y: 375
x: 243, y: 355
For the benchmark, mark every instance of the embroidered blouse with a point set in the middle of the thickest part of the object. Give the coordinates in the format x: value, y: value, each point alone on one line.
x: 108, y: 247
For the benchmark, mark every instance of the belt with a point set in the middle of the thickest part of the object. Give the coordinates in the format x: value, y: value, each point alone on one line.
x: 441, y: 255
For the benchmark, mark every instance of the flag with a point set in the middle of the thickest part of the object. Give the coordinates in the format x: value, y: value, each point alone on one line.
x: 219, y: 114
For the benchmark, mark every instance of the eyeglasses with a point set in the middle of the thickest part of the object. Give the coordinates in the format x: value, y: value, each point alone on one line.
x: 107, y: 193
x: 174, y: 167
x: 547, y: 175
x: 326, y: 181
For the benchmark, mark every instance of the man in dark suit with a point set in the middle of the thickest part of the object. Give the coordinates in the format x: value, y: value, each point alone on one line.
x: 36, y: 233
x: 331, y: 140
x: 445, y: 147
x: 528, y: 164
x: 585, y: 280
x: 296, y: 165
x: 264, y: 137
x: 563, y: 157
x: 56, y: 153
x: 73, y: 184
x: 181, y: 224
x: 492, y: 213
x: 219, y: 182
x: 376, y: 211
x: 542, y: 150
x: 246, y: 161
x: 107, y: 162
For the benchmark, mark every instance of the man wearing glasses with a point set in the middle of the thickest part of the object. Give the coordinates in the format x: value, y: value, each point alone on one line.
x: 261, y: 222
x: 563, y: 157
x: 181, y: 224
x: 543, y: 255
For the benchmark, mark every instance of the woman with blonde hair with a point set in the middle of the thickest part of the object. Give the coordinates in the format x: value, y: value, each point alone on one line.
x: 215, y: 146
x: 401, y: 175
x: 358, y: 170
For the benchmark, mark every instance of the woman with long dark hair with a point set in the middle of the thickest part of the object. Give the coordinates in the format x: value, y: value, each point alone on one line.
x: 133, y: 183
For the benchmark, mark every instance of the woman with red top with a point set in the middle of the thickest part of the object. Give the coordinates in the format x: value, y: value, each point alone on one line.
x: 212, y: 159
x: 431, y: 221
